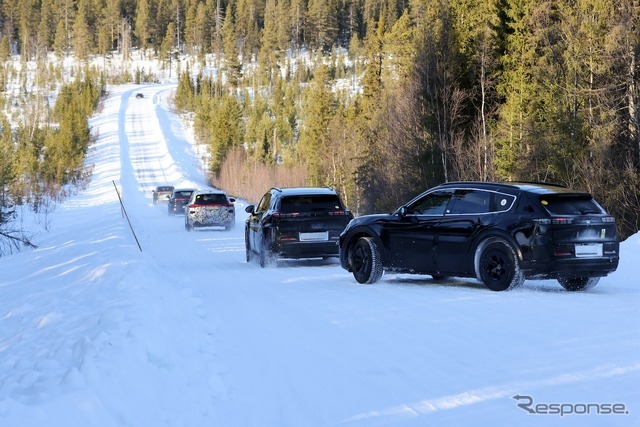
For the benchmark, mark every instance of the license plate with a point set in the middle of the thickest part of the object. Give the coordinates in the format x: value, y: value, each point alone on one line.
x: 314, y: 237
x: 589, y: 250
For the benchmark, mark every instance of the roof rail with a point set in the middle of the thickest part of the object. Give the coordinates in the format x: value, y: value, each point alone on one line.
x: 552, y: 184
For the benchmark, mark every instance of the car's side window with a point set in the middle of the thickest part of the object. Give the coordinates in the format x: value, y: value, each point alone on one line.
x: 470, y: 202
x: 263, y: 206
x: 434, y: 203
x: 503, y: 202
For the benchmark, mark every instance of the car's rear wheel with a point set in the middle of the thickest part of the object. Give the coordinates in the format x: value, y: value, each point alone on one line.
x: 247, y: 248
x: 266, y: 256
x: 365, y: 261
x: 188, y: 226
x: 578, y: 283
x: 496, y: 265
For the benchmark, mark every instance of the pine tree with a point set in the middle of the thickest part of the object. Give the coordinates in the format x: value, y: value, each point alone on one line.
x: 142, y: 24
x: 45, y: 28
x: 233, y: 67
x: 319, y: 108
x: 81, y: 35
x: 322, y: 24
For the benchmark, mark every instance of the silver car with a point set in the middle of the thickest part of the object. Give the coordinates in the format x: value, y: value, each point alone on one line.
x: 210, y: 208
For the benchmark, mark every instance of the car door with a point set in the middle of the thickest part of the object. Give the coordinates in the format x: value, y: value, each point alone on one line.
x: 469, y: 212
x: 411, y: 235
x: 255, y: 221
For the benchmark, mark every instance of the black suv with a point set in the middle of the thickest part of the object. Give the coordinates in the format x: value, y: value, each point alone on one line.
x: 499, y: 233
x: 179, y: 200
x: 295, y: 223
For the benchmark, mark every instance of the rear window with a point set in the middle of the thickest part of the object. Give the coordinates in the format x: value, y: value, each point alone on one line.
x: 571, y: 205
x: 183, y: 194
x: 211, y: 199
x: 165, y: 188
x: 313, y: 203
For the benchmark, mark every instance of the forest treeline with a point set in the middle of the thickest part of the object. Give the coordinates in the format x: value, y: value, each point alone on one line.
x: 381, y: 99
x: 41, y: 160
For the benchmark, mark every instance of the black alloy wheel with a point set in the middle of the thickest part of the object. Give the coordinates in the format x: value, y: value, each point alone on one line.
x: 496, y: 265
x: 365, y: 261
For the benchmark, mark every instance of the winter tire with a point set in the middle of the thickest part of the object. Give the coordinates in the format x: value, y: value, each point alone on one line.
x: 496, y: 265
x: 187, y: 226
x: 265, y: 255
x: 365, y: 261
x: 578, y: 283
x: 247, y: 247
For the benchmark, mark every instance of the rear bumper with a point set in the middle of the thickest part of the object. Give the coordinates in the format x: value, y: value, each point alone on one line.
x: 571, y: 267
x: 306, y: 249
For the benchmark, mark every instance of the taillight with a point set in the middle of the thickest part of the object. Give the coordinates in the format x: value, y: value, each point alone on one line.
x: 285, y: 215
x: 562, y: 221
x: 338, y: 213
x: 542, y: 221
x: 608, y: 219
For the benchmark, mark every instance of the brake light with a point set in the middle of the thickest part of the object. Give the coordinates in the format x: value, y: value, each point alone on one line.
x: 285, y: 215
x: 562, y: 253
x: 562, y: 221
x: 338, y: 213
x: 288, y: 239
x: 609, y: 219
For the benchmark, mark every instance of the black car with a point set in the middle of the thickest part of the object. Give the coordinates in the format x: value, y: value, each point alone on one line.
x: 499, y: 233
x: 179, y: 200
x: 295, y: 223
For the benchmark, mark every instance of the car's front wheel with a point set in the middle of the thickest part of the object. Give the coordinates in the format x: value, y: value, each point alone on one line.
x: 496, y: 265
x: 578, y: 283
x: 365, y: 261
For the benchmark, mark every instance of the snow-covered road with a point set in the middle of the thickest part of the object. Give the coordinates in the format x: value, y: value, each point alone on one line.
x: 95, y: 332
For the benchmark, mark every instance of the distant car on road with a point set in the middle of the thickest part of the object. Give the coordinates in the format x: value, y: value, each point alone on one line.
x: 179, y: 200
x: 209, y: 208
x: 295, y: 223
x: 139, y: 95
x: 499, y: 233
x: 162, y: 193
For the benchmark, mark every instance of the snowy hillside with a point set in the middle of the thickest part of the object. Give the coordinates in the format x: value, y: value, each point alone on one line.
x: 95, y: 332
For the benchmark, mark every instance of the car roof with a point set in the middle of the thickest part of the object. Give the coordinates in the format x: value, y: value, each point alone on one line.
x: 299, y: 191
x: 213, y: 191
x: 541, y: 188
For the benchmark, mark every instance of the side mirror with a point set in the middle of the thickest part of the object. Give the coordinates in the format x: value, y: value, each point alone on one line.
x: 249, y: 209
x: 402, y: 211
x: 232, y: 200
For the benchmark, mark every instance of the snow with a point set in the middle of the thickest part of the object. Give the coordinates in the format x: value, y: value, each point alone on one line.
x: 95, y: 332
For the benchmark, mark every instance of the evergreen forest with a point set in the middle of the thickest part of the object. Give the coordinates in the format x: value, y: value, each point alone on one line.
x: 379, y: 99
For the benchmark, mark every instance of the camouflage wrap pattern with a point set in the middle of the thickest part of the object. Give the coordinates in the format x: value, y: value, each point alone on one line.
x: 212, y: 216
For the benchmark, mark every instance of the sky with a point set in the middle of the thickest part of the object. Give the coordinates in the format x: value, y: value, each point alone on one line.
x: 182, y: 331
